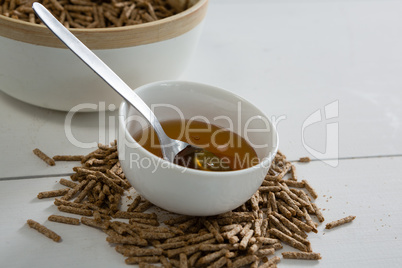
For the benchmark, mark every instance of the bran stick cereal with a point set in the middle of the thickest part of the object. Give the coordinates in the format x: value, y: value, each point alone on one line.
x: 219, y: 263
x: 93, y: 223
x: 192, y: 260
x: 302, y: 225
x: 272, y: 201
x: 288, y: 240
x: 165, y: 263
x: 137, y: 252
x: 183, y: 260
x: 246, y: 239
x: 211, y: 257
x: 310, y: 189
x: 301, y: 255
x: 67, y: 183
x: 44, y: 157
x: 53, y: 193
x: 79, y: 211
x: 43, y: 230
x: 304, y: 159
x: 63, y: 219
x: 242, y: 261
x: 271, y: 262
x: 127, y: 240
x: 279, y: 225
x: 213, y: 230
x: 339, y: 222
x: 146, y: 259
x: 68, y: 157
x: 135, y: 204
x: 84, y: 192
x: 318, y: 213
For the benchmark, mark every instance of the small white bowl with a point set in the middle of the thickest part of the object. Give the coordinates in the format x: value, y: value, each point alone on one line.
x: 38, y: 69
x: 188, y: 191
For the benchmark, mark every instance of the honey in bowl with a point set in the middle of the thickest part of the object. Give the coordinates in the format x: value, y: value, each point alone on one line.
x: 222, y: 149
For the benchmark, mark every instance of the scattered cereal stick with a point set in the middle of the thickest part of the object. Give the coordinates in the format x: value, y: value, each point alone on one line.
x: 219, y: 263
x: 187, y: 250
x: 242, y: 261
x: 97, y: 216
x: 200, y: 238
x: 147, y: 265
x: 233, y: 232
x: 79, y: 211
x: 192, y: 260
x: 310, y: 189
x: 105, y: 179
x: 177, y: 220
x: 68, y: 157
x: 152, y: 222
x: 58, y: 202
x: 129, y: 215
x: 339, y: 222
x: 183, y: 260
x: 172, y: 245
x: 135, y: 204
x: 287, y: 239
x: 164, y: 261
x: 285, y: 197
x: 137, y: 260
x: 271, y: 262
x: 296, y: 184
x: 67, y: 183
x: 265, y: 252
x: 84, y: 192
x: 63, y: 219
x: 43, y: 230
x: 217, y: 247
x: 267, y: 240
x: 44, y: 157
x: 269, y: 188
x: 290, y: 225
x: 309, y: 221
x: 279, y: 225
x: 213, y: 230
x: 211, y: 257
x: 272, y: 201
x: 156, y: 236
x: 143, y: 207
x: 75, y: 190
x: 53, y: 193
x: 245, y: 240
x: 137, y: 252
x: 93, y: 223
x: 127, y: 240
x: 318, y: 213
x: 304, y: 159
x: 301, y: 255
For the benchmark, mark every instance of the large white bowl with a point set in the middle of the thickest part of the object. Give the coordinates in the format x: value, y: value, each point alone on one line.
x: 38, y: 69
x: 189, y: 191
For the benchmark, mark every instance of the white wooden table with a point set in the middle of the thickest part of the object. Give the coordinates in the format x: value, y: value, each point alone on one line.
x: 296, y: 60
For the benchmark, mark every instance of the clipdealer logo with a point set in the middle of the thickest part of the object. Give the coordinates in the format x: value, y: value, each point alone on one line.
x: 330, y: 114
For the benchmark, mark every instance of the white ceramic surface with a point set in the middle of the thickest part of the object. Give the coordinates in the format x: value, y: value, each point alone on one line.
x: 189, y: 191
x: 55, y: 78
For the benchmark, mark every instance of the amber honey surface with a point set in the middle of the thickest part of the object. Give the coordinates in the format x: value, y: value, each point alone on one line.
x: 227, y: 145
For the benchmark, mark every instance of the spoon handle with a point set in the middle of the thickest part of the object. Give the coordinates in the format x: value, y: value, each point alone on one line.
x: 100, y: 68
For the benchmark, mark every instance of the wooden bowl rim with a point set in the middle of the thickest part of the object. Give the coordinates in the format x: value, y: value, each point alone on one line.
x: 107, y: 38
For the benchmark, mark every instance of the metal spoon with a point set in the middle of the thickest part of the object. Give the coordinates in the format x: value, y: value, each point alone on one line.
x: 170, y: 147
